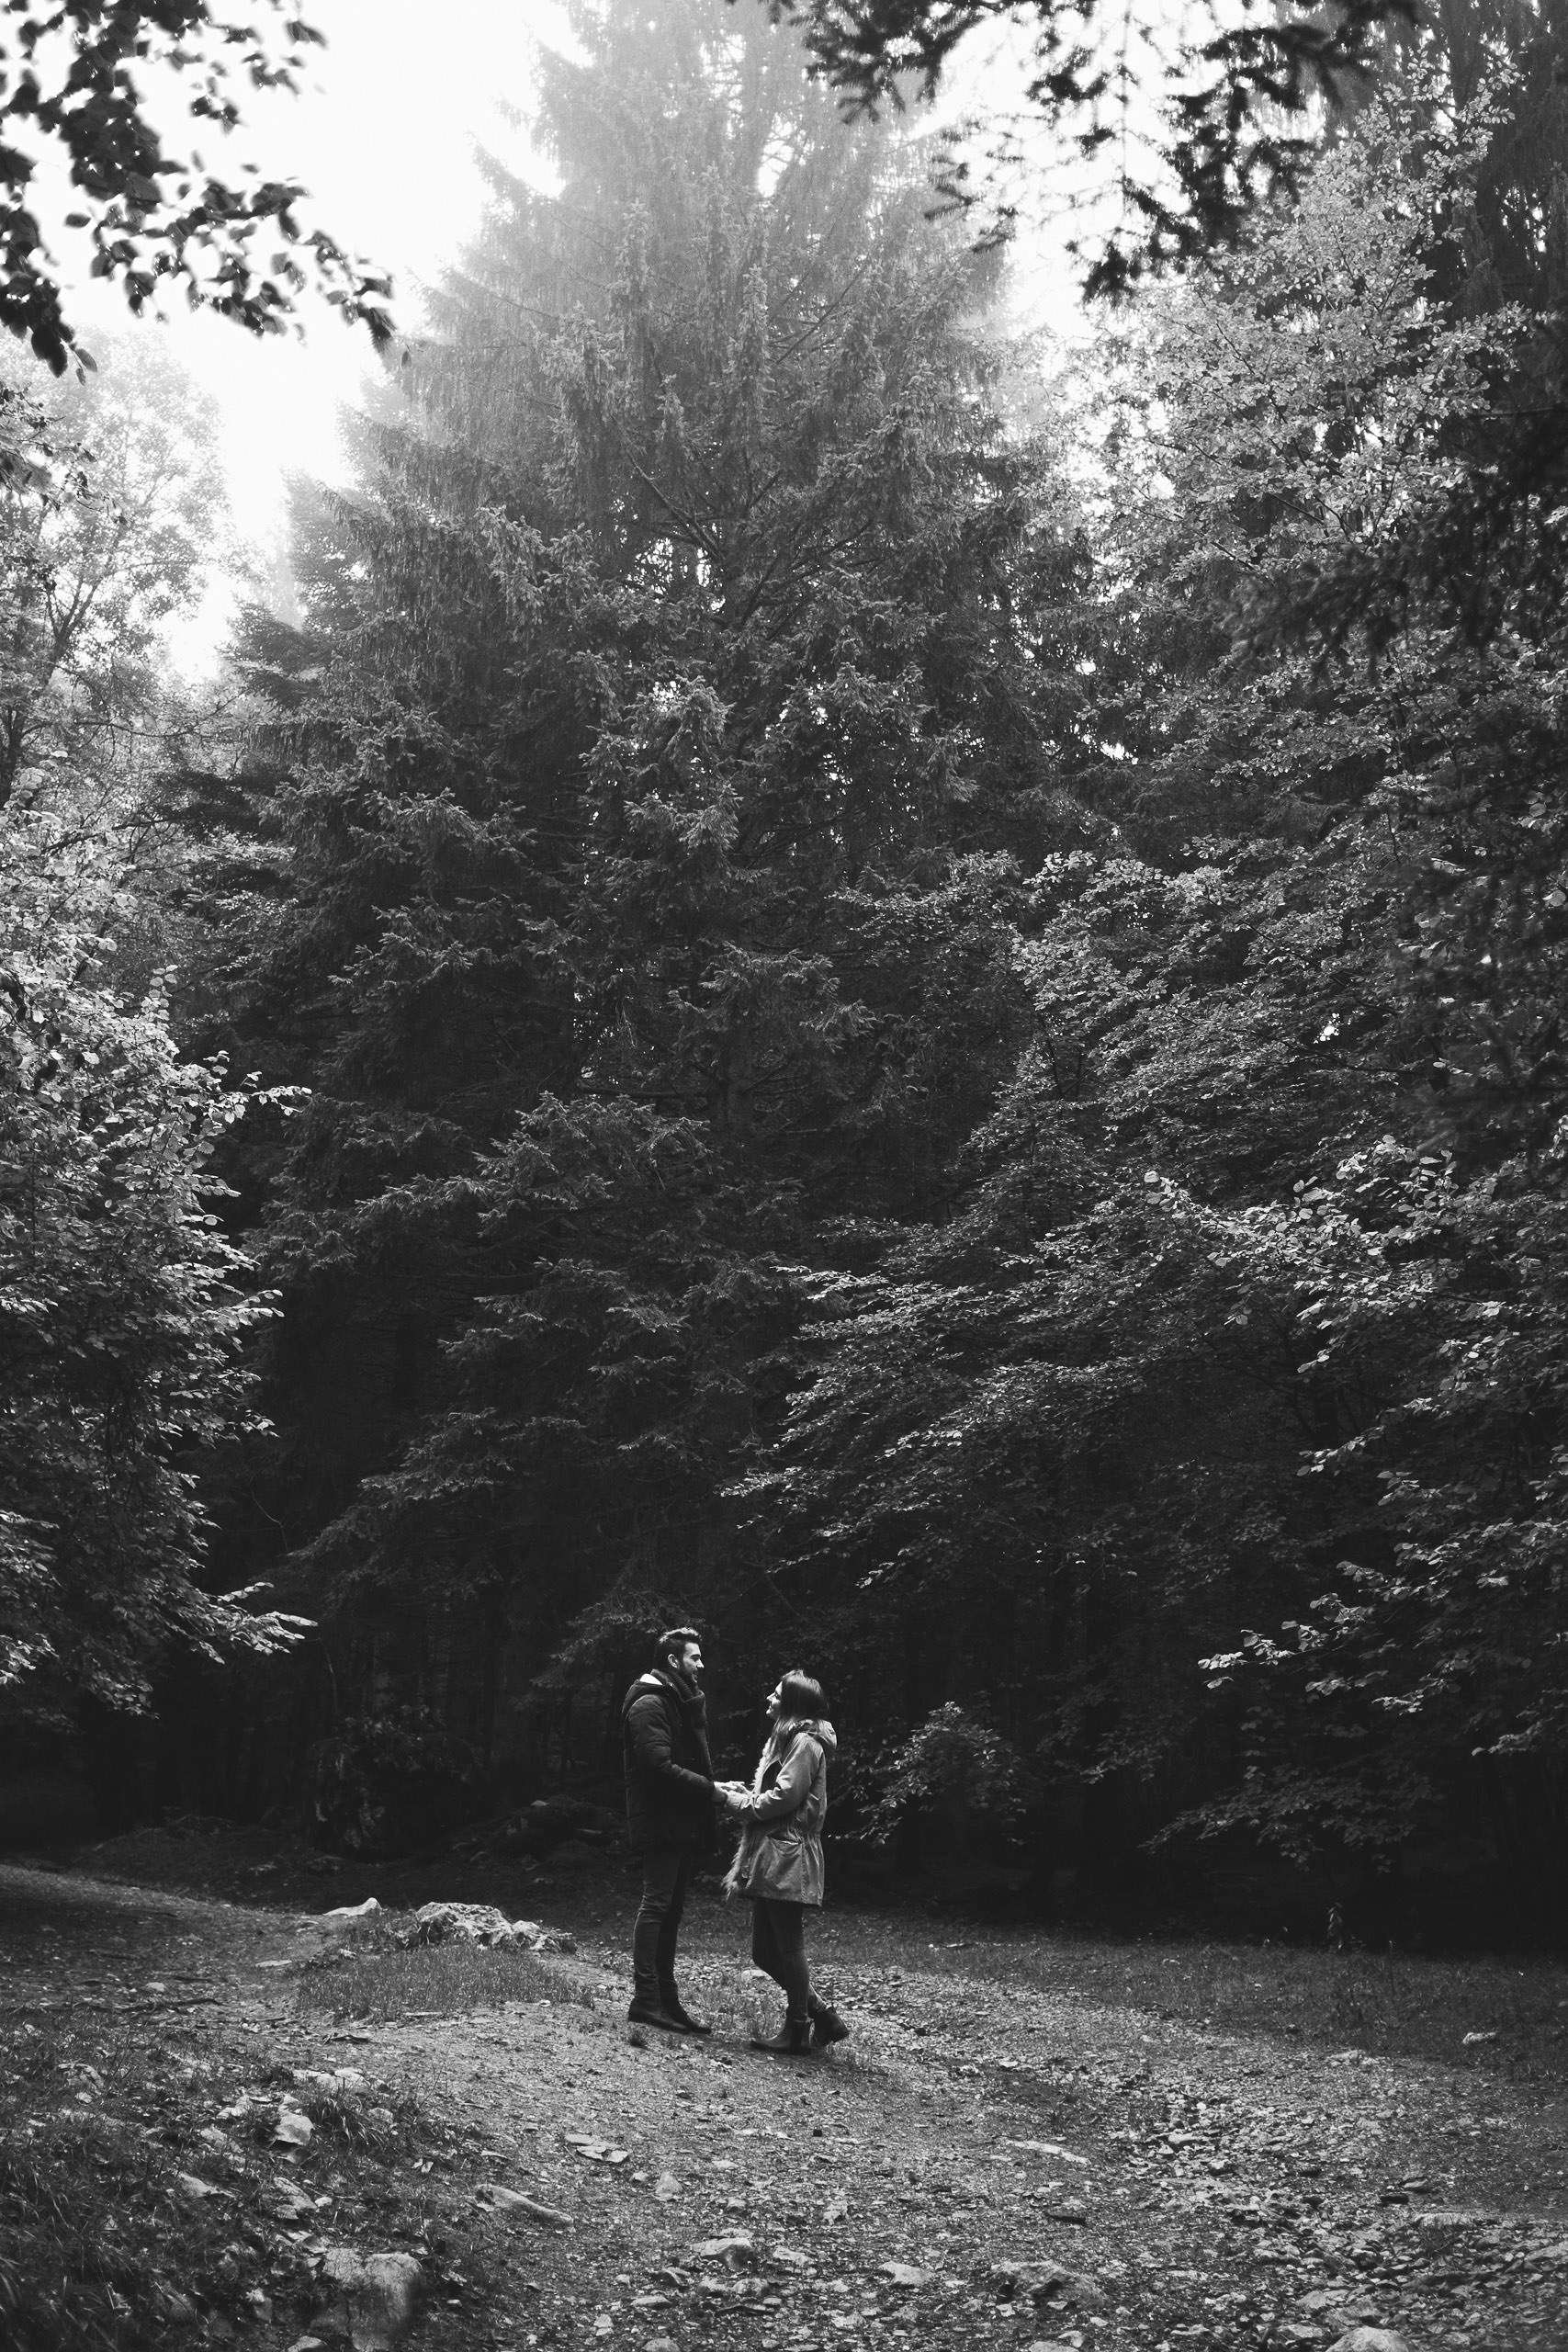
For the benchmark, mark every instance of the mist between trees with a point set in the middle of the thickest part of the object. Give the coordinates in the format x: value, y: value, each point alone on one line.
x: 898, y: 991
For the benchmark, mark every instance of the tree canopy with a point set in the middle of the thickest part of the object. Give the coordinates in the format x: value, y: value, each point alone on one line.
x: 124, y: 1307
x: 78, y: 89
x: 1190, y: 116
x: 918, y: 980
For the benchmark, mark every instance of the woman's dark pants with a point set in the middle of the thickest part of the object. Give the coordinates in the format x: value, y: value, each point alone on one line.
x: 778, y: 1947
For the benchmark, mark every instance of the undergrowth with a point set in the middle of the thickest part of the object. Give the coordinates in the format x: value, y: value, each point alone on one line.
x: 143, y: 2193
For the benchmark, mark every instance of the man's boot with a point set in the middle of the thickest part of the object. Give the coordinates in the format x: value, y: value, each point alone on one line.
x: 669, y: 2002
x: 826, y: 2025
x: 654, y: 2013
x: 793, y: 2039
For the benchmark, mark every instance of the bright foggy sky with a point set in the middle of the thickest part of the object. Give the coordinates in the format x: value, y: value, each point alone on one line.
x: 384, y: 135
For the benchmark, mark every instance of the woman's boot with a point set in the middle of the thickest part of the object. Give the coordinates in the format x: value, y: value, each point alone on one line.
x: 826, y: 2025
x: 793, y: 2039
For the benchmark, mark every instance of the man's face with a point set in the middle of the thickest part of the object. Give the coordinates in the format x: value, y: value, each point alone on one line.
x: 688, y: 1660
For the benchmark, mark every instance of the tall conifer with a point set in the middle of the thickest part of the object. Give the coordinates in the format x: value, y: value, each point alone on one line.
x: 653, y: 765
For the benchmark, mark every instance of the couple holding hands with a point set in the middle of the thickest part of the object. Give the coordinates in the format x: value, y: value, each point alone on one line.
x: 672, y: 1801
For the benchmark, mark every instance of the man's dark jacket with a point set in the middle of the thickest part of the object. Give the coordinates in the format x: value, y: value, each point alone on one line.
x: 670, y: 1797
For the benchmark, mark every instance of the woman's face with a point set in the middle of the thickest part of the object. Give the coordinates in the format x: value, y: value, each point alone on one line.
x: 775, y: 1702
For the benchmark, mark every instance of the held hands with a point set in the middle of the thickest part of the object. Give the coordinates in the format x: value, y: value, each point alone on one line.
x: 733, y: 1797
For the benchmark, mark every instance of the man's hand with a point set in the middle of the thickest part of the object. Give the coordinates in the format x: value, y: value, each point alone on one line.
x: 733, y: 1795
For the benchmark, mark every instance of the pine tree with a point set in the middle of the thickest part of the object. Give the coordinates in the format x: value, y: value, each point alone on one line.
x: 655, y: 822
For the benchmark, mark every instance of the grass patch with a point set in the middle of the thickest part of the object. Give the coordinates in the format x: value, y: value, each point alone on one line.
x: 139, y: 2185
x: 1395, y: 2004
x: 382, y: 1984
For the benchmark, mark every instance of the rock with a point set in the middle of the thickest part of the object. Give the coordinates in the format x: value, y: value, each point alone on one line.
x: 666, y: 2187
x: 1340, y: 2304
x: 374, y: 2295
x: 736, y: 2251
x: 286, y: 2200
x: 1066, y: 2208
x: 341, y: 2079
x: 537, y: 1936
x: 1047, y: 2148
x: 191, y: 2186
x: 903, y: 2274
x: 294, y: 2126
x: 348, y: 1914
x: 1372, y: 2339
x: 512, y: 2201
x: 1010, y: 2280
x: 1078, y: 2292
x: 466, y: 1923
x: 1047, y: 2284
x: 545, y: 1825
x: 661, y: 2343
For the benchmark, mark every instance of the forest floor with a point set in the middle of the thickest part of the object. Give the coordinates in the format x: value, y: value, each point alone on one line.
x: 1030, y: 2138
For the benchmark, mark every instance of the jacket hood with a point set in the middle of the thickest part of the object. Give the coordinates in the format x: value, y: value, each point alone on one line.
x: 818, y: 1727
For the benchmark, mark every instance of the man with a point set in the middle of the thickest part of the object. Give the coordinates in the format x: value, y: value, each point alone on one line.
x: 671, y: 1801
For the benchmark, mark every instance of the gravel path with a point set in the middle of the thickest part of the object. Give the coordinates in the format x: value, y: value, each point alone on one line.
x: 984, y: 2163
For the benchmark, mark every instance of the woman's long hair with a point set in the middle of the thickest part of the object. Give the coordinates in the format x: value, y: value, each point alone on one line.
x: 803, y: 1704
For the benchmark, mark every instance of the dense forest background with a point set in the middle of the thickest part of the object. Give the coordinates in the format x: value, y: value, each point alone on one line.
x: 889, y: 984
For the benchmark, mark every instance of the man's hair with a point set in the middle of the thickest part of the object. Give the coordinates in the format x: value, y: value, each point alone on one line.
x: 676, y: 1639
x: 801, y: 1695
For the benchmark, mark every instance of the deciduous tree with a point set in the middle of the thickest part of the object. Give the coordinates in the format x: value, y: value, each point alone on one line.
x: 79, y: 91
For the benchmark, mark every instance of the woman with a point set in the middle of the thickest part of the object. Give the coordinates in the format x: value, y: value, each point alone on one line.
x: 779, y: 1860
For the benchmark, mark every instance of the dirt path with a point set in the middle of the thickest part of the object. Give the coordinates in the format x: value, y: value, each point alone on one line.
x: 987, y: 2162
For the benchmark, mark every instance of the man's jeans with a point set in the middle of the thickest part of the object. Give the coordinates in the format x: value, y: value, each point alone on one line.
x: 778, y: 1947
x: 666, y: 1874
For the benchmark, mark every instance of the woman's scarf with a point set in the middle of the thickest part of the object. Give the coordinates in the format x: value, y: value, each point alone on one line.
x: 754, y: 1835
